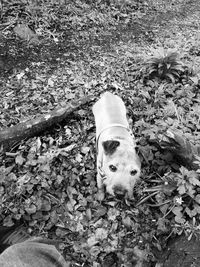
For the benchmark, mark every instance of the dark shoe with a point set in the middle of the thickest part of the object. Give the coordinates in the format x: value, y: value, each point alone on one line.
x: 12, y: 235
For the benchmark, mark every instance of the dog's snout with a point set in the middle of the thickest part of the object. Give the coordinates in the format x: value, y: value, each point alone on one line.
x: 119, y: 191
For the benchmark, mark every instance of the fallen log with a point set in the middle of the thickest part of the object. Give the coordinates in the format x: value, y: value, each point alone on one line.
x: 34, y: 127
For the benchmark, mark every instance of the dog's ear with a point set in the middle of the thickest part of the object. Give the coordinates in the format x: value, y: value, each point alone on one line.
x: 110, y: 146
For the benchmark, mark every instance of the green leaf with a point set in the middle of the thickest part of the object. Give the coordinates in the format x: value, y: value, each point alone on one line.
x: 168, y: 65
x: 31, y: 209
x: 195, y: 80
x: 171, y: 77
x: 190, y: 212
x: 177, y: 68
x: 177, y: 211
x: 181, y: 189
x: 19, y: 160
x: 174, y: 73
x: 193, y: 180
x: 197, y: 198
x: 160, y: 65
x: 151, y: 71
x: 179, y: 219
x: 178, y: 214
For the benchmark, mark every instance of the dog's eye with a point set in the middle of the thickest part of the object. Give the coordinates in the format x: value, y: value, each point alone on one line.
x: 133, y: 172
x: 112, y: 168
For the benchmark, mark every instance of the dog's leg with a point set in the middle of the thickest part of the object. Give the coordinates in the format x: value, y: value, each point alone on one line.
x: 99, y: 181
x: 101, y: 193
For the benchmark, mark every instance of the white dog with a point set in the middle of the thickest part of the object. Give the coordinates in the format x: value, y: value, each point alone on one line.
x: 118, y: 166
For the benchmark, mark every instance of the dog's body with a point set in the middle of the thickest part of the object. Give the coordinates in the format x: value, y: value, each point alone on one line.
x: 118, y: 166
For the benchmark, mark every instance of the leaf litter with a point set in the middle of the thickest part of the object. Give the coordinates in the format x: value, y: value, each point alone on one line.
x: 49, y: 181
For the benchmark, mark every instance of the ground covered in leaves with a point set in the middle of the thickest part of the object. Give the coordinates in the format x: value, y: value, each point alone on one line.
x: 82, y: 48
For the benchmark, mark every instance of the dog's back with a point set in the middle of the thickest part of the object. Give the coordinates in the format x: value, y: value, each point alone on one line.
x: 111, y: 103
x: 109, y: 109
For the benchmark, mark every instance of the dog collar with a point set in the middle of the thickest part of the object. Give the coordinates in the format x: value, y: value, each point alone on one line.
x: 110, y: 126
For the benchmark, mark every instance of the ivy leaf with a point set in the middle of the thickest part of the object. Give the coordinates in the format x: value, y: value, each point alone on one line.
x: 19, y: 160
x: 197, y: 198
x: 85, y: 149
x: 190, y: 212
x: 193, y: 180
x: 162, y: 224
x: 31, y: 209
x: 179, y: 219
x: 79, y: 157
x: 181, y: 189
x: 177, y: 211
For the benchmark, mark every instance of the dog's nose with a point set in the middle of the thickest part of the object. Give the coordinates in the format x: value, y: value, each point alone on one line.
x: 119, y: 191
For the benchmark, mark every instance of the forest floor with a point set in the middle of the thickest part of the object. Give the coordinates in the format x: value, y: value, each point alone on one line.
x: 81, y: 48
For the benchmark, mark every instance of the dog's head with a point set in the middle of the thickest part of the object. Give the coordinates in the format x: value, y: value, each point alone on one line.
x: 120, y: 166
